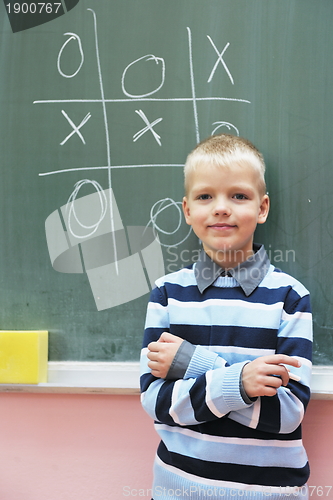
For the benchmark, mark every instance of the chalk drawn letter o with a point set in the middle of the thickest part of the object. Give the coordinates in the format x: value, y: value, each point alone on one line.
x: 149, y: 57
x: 72, y: 36
x: 71, y: 212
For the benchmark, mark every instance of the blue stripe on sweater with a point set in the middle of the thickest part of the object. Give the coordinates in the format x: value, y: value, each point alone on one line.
x: 233, y: 450
x: 224, y: 335
x: 270, y: 414
x: 295, y: 346
x: 248, y: 474
x: 262, y: 294
x: 225, y: 427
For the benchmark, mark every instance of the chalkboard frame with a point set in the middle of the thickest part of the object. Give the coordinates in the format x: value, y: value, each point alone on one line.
x: 309, y: 158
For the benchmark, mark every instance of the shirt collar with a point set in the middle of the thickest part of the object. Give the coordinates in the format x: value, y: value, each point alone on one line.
x: 249, y: 274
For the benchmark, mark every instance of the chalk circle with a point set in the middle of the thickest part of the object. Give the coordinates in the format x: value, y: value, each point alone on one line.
x: 228, y: 125
x: 149, y: 57
x: 70, y: 208
x: 156, y: 210
x: 72, y: 36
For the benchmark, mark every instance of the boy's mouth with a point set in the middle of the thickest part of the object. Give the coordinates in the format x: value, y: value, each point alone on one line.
x: 221, y: 226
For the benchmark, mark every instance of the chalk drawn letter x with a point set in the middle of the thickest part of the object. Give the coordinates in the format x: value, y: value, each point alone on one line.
x: 76, y: 130
x: 220, y: 59
x: 148, y: 127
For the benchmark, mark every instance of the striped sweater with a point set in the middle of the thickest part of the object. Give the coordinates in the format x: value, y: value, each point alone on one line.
x: 213, y: 443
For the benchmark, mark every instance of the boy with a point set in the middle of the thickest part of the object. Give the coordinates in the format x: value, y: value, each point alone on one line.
x: 223, y: 341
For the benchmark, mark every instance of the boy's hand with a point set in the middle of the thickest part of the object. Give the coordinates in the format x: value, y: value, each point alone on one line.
x: 162, y: 352
x: 257, y: 375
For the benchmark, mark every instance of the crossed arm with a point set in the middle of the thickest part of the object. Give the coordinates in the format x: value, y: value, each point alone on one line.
x: 260, y: 377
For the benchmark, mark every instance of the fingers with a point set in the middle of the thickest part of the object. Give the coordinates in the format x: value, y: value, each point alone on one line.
x: 166, y: 337
x: 282, y: 359
x: 161, y: 354
x: 155, y: 364
x: 153, y: 347
x: 264, y: 375
x: 169, y: 337
x: 278, y: 374
x: 277, y: 365
x: 266, y: 382
x: 278, y: 379
x: 156, y: 355
x: 155, y: 369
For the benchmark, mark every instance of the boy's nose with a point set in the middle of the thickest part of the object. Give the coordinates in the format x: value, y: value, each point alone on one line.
x: 222, y: 208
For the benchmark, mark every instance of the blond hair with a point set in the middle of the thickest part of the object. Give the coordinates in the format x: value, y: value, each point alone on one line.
x: 224, y: 150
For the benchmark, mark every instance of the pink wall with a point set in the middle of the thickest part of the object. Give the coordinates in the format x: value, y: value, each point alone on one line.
x: 101, y: 447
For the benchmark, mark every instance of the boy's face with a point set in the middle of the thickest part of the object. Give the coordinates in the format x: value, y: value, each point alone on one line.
x: 224, y: 206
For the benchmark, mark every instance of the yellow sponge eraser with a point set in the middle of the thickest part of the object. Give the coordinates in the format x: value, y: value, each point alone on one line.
x: 23, y: 356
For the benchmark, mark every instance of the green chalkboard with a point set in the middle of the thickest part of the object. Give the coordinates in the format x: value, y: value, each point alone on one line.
x: 99, y: 107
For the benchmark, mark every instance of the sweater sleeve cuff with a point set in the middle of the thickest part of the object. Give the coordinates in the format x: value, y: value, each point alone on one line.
x: 201, y: 361
x: 181, y: 361
x: 245, y: 397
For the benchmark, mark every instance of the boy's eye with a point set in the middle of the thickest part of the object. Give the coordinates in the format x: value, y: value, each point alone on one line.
x: 240, y: 196
x: 203, y: 197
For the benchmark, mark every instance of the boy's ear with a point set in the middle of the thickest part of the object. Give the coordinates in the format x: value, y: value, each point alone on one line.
x: 264, y: 209
x: 186, y: 210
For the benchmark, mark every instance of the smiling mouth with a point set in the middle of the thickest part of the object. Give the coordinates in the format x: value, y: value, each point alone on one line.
x: 222, y: 226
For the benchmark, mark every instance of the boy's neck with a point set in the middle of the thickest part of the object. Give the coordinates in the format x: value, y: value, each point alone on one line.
x: 229, y: 259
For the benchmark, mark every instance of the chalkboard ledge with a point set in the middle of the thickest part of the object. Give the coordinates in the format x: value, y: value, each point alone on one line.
x: 123, y: 378
x: 322, y: 382
x: 85, y: 377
